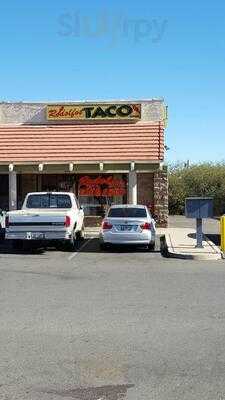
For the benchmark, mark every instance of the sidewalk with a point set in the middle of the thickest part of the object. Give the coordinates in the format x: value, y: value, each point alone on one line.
x: 181, y: 242
x: 210, y: 226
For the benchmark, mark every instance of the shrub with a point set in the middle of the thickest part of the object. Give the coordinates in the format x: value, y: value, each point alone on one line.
x: 207, y: 179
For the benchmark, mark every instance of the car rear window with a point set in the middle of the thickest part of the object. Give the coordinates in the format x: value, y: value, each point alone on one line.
x: 49, y: 201
x: 128, y: 212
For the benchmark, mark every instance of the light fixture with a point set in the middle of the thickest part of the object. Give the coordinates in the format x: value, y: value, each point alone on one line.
x: 71, y: 167
x: 101, y: 166
x: 11, y: 167
x: 132, y: 166
x: 40, y: 167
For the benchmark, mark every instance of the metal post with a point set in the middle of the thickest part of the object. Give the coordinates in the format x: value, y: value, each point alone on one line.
x: 199, y: 233
x: 12, y: 190
x: 132, y: 187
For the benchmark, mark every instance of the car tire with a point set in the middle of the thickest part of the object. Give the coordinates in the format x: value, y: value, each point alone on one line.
x: 151, y: 246
x: 104, y: 246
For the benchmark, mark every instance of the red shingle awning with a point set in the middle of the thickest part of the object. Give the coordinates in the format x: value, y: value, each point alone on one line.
x: 81, y: 143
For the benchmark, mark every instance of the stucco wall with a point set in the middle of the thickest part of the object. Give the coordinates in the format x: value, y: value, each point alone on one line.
x: 35, y: 113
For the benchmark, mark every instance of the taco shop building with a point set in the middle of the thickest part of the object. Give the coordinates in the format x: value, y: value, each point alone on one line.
x: 105, y: 152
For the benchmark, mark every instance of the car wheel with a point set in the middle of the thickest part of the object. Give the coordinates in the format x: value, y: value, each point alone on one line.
x: 104, y: 246
x: 151, y: 246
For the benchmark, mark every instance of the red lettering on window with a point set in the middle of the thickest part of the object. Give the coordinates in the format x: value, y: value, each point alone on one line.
x: 107, y: 186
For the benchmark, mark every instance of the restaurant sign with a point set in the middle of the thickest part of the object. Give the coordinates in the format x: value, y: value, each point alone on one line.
x: 94, y: 112
x: 102, y: 186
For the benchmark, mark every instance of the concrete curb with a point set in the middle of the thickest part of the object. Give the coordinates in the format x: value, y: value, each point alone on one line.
x: 169, y: 251
x: 91, y: 235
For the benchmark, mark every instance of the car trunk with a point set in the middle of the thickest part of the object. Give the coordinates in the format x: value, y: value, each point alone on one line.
x: 126, y: 224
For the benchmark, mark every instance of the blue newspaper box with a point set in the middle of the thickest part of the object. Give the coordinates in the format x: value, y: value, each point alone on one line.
x: 199, y: 207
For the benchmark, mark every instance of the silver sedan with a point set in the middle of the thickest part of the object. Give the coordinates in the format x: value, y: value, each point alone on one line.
x: 128, y: 224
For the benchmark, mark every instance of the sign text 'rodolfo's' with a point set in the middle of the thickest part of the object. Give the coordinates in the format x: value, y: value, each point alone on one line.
x: 94, y: 111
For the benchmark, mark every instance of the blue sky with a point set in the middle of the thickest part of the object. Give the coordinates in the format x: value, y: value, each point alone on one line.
x: 76, y: 50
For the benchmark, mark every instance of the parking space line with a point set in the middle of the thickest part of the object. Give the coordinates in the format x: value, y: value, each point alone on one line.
x: 76, y: 253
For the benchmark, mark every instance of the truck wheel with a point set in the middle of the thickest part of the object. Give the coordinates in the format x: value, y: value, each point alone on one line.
x: 81, y: 234
x: 71, y: 244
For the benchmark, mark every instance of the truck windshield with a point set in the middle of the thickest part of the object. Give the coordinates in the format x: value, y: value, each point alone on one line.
x: 49, y: 201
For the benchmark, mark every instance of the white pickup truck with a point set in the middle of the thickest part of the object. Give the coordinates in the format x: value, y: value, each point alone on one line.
x: 44, y: 217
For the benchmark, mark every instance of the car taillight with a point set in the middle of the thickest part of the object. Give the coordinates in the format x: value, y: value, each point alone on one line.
x: 67, y: 221
x: 7, y: 221
x: 146, y: 226
x: 106, y: 225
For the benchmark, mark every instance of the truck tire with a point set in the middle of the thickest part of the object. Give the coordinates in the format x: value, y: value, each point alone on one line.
x: 81, y: 234
x: 71, y: 244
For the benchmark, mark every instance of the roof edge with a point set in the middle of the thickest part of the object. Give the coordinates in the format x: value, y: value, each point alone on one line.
x: 84, y: 101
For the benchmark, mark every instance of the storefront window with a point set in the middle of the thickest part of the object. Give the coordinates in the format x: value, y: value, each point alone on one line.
x: 98, y: 192
x: 4, y: 192
x: 95, y: 192
x: 58, y: 182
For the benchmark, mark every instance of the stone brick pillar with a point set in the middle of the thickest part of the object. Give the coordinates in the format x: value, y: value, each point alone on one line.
x: 161, y: 197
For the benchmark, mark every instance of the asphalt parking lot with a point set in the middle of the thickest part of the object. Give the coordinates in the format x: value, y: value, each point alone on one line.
x: 118, y: 324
